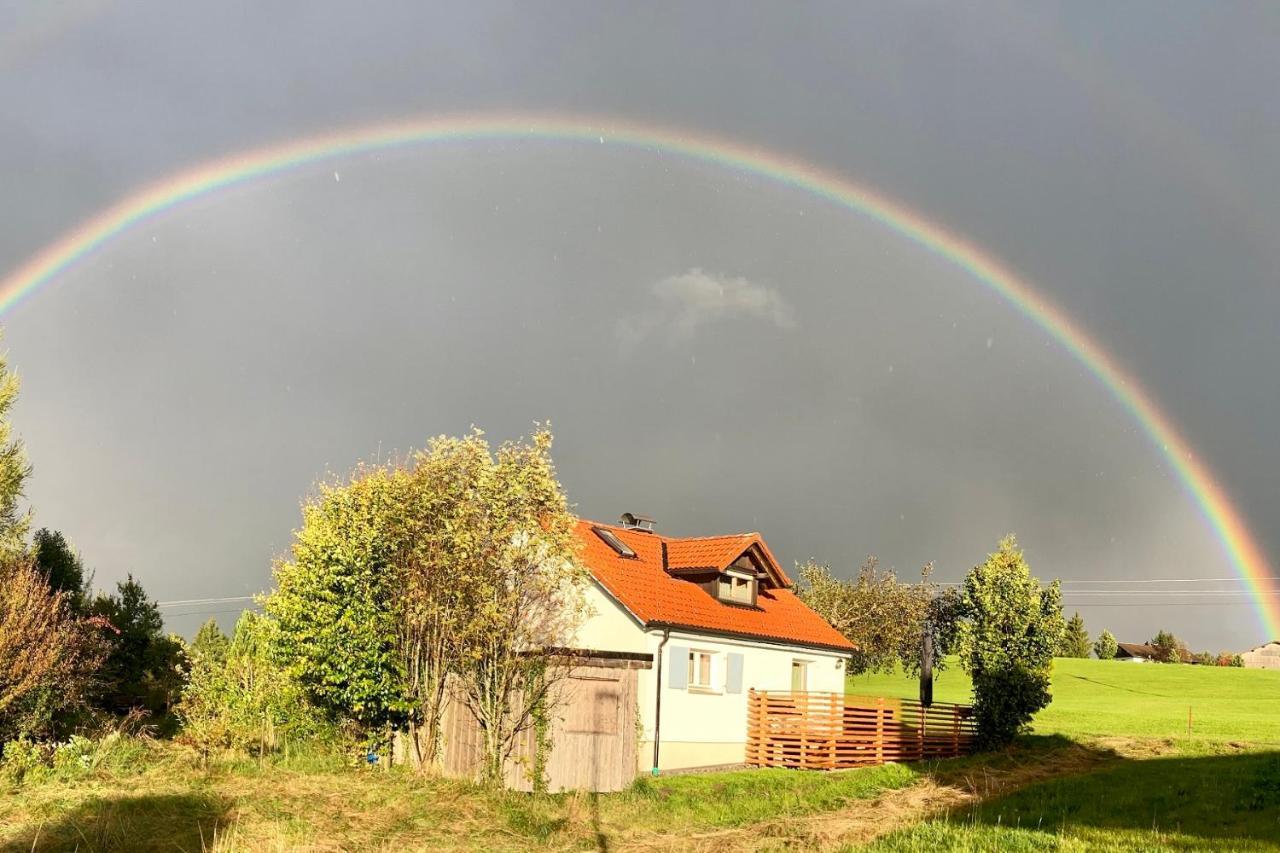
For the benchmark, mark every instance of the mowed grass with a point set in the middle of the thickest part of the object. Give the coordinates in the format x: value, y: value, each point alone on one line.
x: 1096, y: 699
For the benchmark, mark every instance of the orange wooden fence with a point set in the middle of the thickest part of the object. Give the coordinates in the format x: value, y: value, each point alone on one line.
x: 828, y: 731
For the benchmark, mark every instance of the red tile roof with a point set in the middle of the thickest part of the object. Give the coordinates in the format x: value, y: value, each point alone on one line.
x: 643, y: 586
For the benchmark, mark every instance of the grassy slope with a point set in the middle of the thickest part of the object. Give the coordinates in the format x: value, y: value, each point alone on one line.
x: 1219, y: 789
x: 1093, y: 698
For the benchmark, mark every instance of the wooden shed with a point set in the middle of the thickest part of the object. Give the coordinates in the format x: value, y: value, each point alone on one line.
x: 593, y: 730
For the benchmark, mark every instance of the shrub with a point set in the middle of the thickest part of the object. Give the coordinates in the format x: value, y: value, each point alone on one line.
x: 21, y: 759
x: 241, y: 698
x: 1010, y: 630
x: 1106, y: 646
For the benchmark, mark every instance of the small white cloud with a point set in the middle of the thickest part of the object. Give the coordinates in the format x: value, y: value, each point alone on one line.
x: 696, y: 298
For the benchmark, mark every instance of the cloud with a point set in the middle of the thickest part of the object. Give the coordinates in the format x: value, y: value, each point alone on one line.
x: 696, y: 298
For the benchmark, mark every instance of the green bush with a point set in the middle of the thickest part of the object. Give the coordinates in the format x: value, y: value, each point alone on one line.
x: 1106, y: 646
x: 243, y: 699
x: 1010, y: 630
x: 23, y: 759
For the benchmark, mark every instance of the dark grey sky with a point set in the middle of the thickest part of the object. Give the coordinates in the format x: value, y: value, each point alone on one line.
x: 718, y: 351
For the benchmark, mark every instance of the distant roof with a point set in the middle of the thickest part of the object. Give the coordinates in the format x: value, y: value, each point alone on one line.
x: 1135, y: 650
x: 644, y: 585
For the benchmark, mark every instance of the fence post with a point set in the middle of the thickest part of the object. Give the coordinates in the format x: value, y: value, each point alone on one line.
x: 880, y: 730
x: 955, y: 730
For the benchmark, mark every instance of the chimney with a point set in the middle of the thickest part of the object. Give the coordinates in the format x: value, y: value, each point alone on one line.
x: 631, y: 521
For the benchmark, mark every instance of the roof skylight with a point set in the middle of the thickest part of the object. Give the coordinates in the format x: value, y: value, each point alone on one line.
x: 615, y: 543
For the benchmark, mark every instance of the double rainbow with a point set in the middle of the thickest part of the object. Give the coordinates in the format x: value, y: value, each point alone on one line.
x: 1246, y: 557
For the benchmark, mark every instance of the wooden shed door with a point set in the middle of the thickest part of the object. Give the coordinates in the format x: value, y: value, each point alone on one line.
x: 594, y: 748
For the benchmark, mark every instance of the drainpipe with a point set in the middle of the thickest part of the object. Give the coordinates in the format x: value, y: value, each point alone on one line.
x: 657, y: 703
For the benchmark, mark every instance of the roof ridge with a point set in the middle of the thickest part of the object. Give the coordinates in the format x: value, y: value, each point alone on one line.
x: 668, y: 538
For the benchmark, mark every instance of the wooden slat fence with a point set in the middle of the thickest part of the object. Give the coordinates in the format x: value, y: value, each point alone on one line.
x: 830, y: 731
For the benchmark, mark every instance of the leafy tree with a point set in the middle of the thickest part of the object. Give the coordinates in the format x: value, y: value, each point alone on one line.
x: 239, y: 697
x: 1007, y: 638
x: 61, y: 567
x: 46, y: 655
x: 335, y: 602
x: 885, y: 618
x: 1168, y: 648
x: 210, y: 644
x: 143, y: 669
x: 455, y: 567
x: 523, y: 594
x: 1106, y: 646
x: 1075, y: 639
x: 14, y: 471
x: 1205, y: 658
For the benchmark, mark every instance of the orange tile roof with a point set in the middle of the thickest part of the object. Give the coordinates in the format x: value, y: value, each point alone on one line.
x: 644, y: 587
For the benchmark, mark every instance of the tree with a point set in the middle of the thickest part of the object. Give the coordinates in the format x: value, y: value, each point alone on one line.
x: 14, y: 471
x: 1007, y: 638
x: 1075, y: 639
x: 453, y: 569
x: 143, y: 667
x: 62, y: 568
x: 335, y: 603
x: 210, y: 644
x: 1168, y: 648
x: 884, y: 618
x: 46, y: 655
x: 1106, y: 647
x: 523, y: 595
x: 239, y: 697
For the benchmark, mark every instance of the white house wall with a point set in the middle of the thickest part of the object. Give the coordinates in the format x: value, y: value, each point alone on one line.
x: 608, y: 627
x: 700, y: 728
x: 707, y: 728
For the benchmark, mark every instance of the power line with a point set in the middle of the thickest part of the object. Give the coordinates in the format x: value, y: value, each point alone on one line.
x: 193, y: 601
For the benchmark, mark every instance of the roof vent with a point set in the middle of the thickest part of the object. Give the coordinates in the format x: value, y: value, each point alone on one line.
x: 631, y: 521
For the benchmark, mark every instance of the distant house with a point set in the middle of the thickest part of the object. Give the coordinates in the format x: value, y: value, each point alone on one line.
x: 1266, y: 656
x: 1141, y: 653
x: 1135, y: 652
x: 718, y: 617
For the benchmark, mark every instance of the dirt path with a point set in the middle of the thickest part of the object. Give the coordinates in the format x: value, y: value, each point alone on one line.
x: 861, y: 821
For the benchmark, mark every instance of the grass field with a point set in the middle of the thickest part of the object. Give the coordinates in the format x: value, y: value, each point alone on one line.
x: 1110, y: 768
x: 1093, y: 698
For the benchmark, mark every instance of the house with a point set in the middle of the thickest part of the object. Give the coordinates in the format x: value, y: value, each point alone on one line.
x: 1266, y: 656
x: 708, y: 619
x: 1135, y: 652
x: 1141, y: 653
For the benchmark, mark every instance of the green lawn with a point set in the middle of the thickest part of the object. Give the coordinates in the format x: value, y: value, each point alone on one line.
x: 1161, y: 790
x: 1093, y: 698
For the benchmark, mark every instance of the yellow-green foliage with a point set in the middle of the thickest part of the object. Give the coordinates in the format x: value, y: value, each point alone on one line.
x: 14, y: 471
x: 454, y: 566
x: 241, y: 698
x: 1007, y: 638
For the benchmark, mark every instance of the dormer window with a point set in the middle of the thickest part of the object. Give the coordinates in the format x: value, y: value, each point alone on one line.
x: 736, y: 588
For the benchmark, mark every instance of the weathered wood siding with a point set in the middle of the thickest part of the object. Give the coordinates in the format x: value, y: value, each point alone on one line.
x: 592, y: 735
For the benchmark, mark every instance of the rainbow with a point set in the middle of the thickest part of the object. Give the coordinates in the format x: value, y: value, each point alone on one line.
x: 1244, y: 553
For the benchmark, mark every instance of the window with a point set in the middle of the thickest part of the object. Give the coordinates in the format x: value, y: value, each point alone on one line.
x: 737, y: 589
x: 700, y: 667
x: 615, y: 543
x: 799, y: 676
